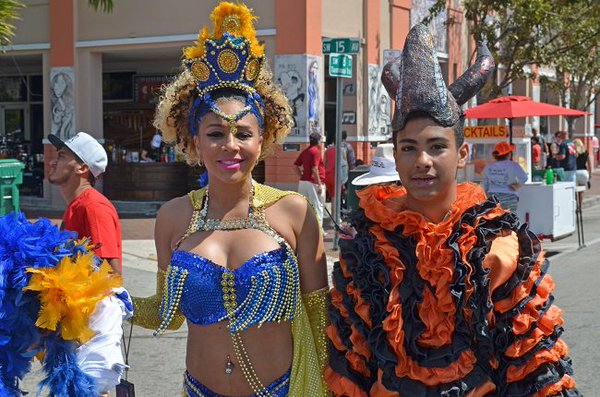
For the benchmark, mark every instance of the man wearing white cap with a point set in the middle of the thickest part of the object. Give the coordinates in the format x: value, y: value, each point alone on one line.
x: 80, y: 161
x: 383, y: 167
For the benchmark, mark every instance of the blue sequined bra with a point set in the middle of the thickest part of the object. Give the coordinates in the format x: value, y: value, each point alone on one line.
x: 265, y: 288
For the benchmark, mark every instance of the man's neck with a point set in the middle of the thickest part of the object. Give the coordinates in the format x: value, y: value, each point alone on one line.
x: 71, y: 191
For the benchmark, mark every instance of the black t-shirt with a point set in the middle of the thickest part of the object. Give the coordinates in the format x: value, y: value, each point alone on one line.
x: 582, y: 159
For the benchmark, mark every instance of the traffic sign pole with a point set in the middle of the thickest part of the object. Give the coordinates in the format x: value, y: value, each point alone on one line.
x: 340, y: 66
x: 337, y: 200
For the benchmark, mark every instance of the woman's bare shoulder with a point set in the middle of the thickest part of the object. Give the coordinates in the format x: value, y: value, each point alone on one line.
x: 175, y: 210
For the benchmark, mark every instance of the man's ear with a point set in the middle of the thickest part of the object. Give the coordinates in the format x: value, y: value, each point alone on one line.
x: 82, y: 169
x: 463, y: 155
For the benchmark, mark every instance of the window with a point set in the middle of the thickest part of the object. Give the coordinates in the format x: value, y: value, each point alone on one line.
x: 12, y: 89
x: 117, y: 86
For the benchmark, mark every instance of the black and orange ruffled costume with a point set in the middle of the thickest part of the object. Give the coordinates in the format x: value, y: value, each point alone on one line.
x: 459, y: 308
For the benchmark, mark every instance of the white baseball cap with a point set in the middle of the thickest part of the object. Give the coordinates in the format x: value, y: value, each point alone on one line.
x: 383, y: 167
x: 87, y: 148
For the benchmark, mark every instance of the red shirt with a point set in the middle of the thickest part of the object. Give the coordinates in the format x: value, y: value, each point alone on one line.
x: 92, y: 215
x: 309, y: 158
x: 536, y: 153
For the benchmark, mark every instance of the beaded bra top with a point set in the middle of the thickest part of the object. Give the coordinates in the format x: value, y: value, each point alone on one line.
x: 265, y: 288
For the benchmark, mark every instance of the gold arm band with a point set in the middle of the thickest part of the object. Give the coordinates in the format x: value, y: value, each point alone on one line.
x: 316, y: 306
x: 146, y: 310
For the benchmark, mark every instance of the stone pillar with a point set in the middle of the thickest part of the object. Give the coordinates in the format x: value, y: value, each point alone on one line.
x: 299, y: 69
x: 62, y: 92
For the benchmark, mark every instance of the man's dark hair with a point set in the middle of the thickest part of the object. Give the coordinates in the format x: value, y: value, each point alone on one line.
x: 90, y: 177
x: 459, y: 128
x: 500, y: 158
x: 314, y: 138
x: 344, y: 135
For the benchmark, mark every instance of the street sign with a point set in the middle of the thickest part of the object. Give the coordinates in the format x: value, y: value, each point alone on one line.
x: 340, y: 65
x: 341, y: 46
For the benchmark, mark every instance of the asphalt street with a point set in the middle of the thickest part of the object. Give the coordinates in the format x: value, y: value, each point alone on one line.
x: 157, y: 364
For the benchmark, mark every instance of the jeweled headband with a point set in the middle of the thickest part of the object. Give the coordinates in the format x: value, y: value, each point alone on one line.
x: 229, y: 58
x: 416, y: 83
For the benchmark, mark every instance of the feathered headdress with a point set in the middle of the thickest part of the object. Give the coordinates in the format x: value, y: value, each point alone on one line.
x: 416, y: 83
x: 230, y: 57
x: 49, y: 286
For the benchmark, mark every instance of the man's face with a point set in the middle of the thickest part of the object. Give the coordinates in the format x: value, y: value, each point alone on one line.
x: 63, y: 167
x: 427, y: 160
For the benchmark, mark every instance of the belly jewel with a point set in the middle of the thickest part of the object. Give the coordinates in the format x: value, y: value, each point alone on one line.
x: 228, y: 366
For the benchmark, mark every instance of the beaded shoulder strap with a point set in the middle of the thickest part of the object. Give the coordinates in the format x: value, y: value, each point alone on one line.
x: 196, y: 197
x: 264, y: 197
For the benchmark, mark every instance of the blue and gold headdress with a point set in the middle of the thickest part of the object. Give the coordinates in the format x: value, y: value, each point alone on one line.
x: 231, y: 57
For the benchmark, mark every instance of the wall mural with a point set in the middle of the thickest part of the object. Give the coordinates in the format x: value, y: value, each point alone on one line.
x: 380, y: 109
x: 301, y: 77
x: 62, y: 104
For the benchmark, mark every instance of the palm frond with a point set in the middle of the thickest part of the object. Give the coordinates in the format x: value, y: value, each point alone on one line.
x: 9, y: 12
x: 103, y: 5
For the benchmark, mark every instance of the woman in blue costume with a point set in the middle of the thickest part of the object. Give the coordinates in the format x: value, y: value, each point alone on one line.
x: 243, y: 263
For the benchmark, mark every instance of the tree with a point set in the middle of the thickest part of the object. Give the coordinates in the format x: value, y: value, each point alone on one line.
x: 9, y: 12
x: 521, y: 33
x: 577, y: 62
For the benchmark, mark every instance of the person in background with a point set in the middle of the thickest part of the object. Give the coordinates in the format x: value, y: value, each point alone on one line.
x: 311, y: 169
x: 536, y: 153
x: 382, y: 170
x: 351, y: 156
x: 440, y: 292
x: 156, y: 144
x: 81, y: 160
x: 596, y: 149
x: 584, y: 167
x: 503, y: 177
x: 330, y: 171
x: 545, y: 152
x: 146, y: 155
x: 566, y: 156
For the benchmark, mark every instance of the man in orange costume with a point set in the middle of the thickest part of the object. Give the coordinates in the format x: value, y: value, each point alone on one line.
x: 441, y: 292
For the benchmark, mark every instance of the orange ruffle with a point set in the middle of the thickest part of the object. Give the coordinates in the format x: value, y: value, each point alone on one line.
x: 565, y: 383
x: 361, y: 307
x: 435, y: 261
x: 517, y: 373
x: 379, y: 390
x: 342, y: 386
x: 482, y: 390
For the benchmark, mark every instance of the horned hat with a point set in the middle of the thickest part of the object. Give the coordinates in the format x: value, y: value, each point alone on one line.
x: 416, y: 83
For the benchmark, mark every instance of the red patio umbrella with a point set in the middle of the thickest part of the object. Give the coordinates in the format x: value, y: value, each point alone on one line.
x: 510, y: 107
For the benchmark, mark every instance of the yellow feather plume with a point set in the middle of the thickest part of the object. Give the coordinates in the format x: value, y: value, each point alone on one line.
x: 69, y: 294
x: 236, y: 19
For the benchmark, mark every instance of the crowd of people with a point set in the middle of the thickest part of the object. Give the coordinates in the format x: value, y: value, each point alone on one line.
x: 438, y: 291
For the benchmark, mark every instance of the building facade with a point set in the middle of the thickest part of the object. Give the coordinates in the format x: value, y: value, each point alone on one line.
x: 72, y: 69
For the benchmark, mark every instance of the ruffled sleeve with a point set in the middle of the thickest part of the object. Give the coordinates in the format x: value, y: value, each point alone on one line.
x: 352, y: 371
x: 532, y: 360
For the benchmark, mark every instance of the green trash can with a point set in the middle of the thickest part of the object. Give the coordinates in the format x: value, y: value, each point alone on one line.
x: 351, y: 197
x: 11, y: 175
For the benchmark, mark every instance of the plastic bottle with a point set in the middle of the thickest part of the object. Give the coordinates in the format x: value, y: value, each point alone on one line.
x: 549, y: 176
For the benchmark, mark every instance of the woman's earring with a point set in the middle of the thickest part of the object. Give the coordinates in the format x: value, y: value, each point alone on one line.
x: 200, y: 163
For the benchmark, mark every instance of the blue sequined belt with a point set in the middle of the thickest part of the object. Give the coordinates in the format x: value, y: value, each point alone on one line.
x: 193, y: 388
